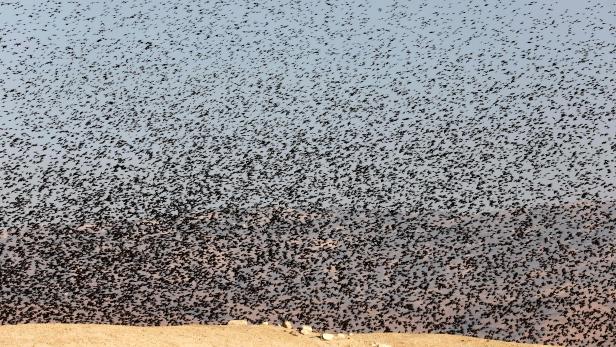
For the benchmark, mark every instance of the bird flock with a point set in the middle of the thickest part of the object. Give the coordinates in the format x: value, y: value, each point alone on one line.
x: 441, y: 166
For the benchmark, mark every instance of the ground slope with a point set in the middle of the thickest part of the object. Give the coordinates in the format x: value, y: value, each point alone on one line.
x: 215, y: 336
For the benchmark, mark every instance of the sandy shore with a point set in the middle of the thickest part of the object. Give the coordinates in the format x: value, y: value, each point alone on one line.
x: 216, y: 336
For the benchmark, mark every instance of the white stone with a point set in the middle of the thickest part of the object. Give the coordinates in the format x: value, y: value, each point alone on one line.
x: 306, y: 330
x: 327, y: 337
x: 237, y: 322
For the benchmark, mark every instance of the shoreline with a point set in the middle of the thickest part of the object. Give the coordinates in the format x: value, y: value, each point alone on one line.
x: 58, y: 334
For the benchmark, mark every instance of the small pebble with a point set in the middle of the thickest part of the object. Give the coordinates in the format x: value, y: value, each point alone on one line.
x: 327, y: 337
x: 306, y: 329
x: 237, y: 322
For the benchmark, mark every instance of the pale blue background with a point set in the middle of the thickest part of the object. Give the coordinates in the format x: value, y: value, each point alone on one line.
x: 237, y: 103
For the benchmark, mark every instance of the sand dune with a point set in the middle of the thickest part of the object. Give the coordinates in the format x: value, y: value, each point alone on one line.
x: 215, y: 336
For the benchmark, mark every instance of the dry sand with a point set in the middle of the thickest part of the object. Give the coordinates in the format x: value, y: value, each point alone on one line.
x: 214, y: 335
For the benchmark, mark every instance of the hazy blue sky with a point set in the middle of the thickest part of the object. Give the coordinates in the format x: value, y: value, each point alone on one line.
x: 441, y: 104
